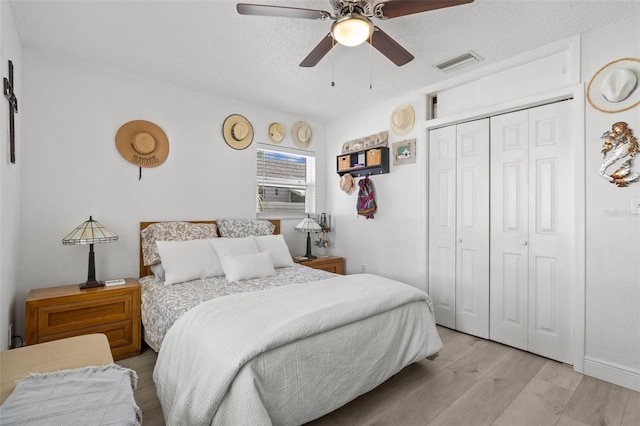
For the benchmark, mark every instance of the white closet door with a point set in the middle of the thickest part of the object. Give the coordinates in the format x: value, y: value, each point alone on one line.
x: 472, y: 217
x: 532, y: 231
x: 509, y: 229
x: 550, y: 232
x: 442, y: 224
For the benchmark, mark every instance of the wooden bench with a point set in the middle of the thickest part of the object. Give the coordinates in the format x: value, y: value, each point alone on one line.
x: 64, y: 354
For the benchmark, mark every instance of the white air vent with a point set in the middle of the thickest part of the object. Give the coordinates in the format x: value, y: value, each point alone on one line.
x: 458, y: 61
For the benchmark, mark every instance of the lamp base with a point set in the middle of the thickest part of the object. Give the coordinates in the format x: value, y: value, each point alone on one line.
x: 91, y: 284
x: 308, y: 254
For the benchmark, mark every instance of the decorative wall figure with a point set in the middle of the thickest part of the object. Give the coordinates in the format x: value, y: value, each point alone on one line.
x: 620, y: 147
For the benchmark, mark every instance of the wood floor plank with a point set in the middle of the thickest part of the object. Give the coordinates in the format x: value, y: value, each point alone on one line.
x: 598, y: 403
x: 488, y: 398
x: 427, y: 401
x: 568, y: 421
x: 544, y: 399
x: 457, y: 347
x: 632, y: 410
x: 482, y: 359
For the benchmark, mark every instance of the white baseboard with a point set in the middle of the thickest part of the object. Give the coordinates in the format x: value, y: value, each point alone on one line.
x: 613, y: 373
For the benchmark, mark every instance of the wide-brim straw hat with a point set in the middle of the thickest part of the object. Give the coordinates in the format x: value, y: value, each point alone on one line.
x: 142, y: 143
x: 301, y: 134
x: 402, y: 119
x: 276, y: 132
x: 237, y: 131
x: 614, y: 87
x: 347, y: 184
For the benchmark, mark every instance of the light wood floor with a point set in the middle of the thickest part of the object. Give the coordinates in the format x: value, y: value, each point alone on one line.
x: 473, y: 382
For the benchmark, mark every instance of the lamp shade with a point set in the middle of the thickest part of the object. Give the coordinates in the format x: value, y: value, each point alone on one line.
x: 352, y: 30
x: 308, y: 225
x: 90, y: 232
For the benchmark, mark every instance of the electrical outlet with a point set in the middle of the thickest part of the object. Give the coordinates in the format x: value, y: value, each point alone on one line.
x: 363, y: 269
x: 10, y: 334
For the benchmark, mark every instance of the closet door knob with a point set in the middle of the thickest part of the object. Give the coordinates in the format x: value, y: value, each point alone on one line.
x: 524, y: 243
x: 459, y: 240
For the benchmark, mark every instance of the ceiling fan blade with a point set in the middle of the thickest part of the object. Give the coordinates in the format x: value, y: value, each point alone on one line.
x: 281, y: 11
x: 318, y: 52
x: 395, y: 8
x: 390, y: 48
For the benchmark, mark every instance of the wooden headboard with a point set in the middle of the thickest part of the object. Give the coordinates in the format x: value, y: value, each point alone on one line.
x: 146, y: 270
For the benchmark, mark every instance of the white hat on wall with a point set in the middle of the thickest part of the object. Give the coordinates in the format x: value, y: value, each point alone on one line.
x: 614, y: 87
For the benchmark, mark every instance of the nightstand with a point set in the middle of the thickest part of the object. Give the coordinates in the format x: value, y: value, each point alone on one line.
x: 57, y: 312
x: 330, y: 263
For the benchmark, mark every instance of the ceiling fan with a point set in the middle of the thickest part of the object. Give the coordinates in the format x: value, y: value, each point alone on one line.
x: 353, y: 24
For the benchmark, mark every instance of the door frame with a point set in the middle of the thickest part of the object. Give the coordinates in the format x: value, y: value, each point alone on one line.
x: 576, y: 93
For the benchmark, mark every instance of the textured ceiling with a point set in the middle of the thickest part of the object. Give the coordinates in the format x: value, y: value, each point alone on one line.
x: 207, y: 46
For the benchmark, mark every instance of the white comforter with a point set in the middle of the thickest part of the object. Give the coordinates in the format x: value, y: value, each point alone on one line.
x: 290, y: 354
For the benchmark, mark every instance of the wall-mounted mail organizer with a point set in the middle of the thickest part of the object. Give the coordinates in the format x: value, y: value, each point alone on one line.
x: 372, y: 161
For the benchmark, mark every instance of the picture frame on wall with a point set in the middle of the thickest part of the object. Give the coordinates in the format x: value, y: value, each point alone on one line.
x: 404, y: 152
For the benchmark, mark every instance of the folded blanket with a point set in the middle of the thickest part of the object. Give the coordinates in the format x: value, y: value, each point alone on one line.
x: 83, y: 396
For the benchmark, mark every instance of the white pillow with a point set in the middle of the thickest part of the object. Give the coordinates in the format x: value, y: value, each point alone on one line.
x: 188, y: 260
x: 233, y: 247
x: 158, y: 271
x: 278, y: 248
x: 246, y: 266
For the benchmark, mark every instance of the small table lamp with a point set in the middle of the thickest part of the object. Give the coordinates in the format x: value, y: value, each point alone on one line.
x: 90, y: 232
x: 308, y: 225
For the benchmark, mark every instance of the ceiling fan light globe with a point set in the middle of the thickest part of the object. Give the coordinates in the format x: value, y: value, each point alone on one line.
x: 351, y: 30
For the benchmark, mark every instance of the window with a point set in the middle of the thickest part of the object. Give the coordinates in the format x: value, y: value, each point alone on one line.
x: 286, y: 182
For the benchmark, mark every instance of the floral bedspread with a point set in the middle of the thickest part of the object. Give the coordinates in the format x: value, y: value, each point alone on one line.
x: 163, y: 304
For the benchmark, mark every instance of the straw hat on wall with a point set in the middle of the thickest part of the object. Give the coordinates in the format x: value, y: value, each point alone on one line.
x: 301, y: 134
x: 237, y: 131
x: 402, y: 119
x: 276, y: 132
x: 142, y: 143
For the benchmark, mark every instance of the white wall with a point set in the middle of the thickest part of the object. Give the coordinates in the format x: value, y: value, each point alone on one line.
x: 612, y: 350
x: 10, y: 181
x: 393, y: 243
x: 71, y: 168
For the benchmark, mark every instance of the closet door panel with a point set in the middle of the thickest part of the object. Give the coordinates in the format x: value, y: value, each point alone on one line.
x: 472, y: 249
x: 550, y: 230
x: 442, y: 224
x: 509, y: 229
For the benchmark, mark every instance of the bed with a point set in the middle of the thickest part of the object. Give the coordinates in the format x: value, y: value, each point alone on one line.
x: 256, y: 339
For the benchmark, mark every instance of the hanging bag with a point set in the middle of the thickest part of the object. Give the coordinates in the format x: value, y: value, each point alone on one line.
x: 366, y: 204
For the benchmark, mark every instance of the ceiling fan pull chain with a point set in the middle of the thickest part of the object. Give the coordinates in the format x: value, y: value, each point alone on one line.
x: 333, y: 61
x: 371, y: 61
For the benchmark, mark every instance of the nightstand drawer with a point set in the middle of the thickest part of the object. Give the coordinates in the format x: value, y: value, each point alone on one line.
x: 55, y: 319
x: 120, y: 335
